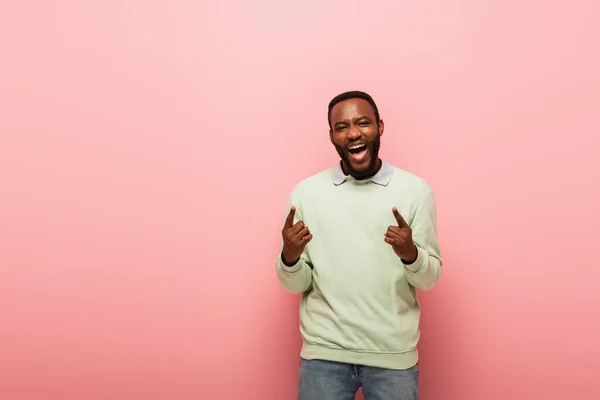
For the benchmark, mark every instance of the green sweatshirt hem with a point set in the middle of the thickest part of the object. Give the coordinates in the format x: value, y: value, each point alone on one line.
x: 399, y: 361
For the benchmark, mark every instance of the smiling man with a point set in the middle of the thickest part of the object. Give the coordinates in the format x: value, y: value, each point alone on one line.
x: 358, y: 241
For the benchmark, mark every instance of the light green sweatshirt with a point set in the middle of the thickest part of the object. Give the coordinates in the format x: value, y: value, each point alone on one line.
x: 359, y: 302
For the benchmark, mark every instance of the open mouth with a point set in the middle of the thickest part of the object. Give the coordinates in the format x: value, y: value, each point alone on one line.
x: 358, y: 151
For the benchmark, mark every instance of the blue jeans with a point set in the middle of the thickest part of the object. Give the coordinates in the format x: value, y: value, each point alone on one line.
x: 327, y: 380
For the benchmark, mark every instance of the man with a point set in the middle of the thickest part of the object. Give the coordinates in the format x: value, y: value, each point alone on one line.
x: 358, y: 241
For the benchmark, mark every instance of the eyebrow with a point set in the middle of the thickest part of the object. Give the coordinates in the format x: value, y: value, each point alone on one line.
x: 357, y: 119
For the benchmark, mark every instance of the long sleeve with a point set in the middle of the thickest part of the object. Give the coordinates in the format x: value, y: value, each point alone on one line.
x: 297, y: 278
x: 426, y: 270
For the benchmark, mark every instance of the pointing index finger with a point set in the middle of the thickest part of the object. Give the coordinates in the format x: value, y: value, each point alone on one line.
x: 401, y: 222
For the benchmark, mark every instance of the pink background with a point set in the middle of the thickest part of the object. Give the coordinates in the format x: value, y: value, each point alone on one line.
x: 147, y: 149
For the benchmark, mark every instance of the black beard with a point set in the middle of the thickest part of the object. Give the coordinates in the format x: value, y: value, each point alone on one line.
x: 374, y: 152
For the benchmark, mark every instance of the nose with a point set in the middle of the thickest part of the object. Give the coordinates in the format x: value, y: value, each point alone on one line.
x: 353, y: 132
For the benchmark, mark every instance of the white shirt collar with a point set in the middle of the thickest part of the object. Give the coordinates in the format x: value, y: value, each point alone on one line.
x: 382, y: 177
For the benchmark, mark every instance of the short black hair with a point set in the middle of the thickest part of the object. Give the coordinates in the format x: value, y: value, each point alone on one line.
x: 352, y: 94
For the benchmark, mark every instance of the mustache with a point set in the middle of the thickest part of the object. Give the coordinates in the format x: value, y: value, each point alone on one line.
x: 373, y: 148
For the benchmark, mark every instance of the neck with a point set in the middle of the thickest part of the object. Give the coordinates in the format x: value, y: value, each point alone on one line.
x: 364, y: 175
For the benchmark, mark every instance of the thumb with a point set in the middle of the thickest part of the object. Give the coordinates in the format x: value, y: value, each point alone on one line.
x: 401, y: 222
x: 289, y: 221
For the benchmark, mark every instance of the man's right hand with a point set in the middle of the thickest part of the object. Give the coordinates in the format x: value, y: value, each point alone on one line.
x: 295, y: 237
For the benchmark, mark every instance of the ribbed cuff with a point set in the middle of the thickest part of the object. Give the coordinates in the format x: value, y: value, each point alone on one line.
x: 419, y: 262
x: 294, y: 268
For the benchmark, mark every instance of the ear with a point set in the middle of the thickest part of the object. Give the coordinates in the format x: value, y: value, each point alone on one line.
x: 331, y: 136
x: 381, y: 126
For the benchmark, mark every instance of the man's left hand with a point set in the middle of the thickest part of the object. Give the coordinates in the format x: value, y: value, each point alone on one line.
x: 400, y: 238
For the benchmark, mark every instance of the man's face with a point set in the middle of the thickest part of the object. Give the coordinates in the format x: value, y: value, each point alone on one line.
x: 356, y: 133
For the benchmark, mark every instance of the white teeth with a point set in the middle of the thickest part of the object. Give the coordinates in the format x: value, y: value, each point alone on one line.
x: 356, y: 146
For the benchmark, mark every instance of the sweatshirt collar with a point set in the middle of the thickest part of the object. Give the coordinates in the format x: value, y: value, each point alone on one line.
x: 382, y: 177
